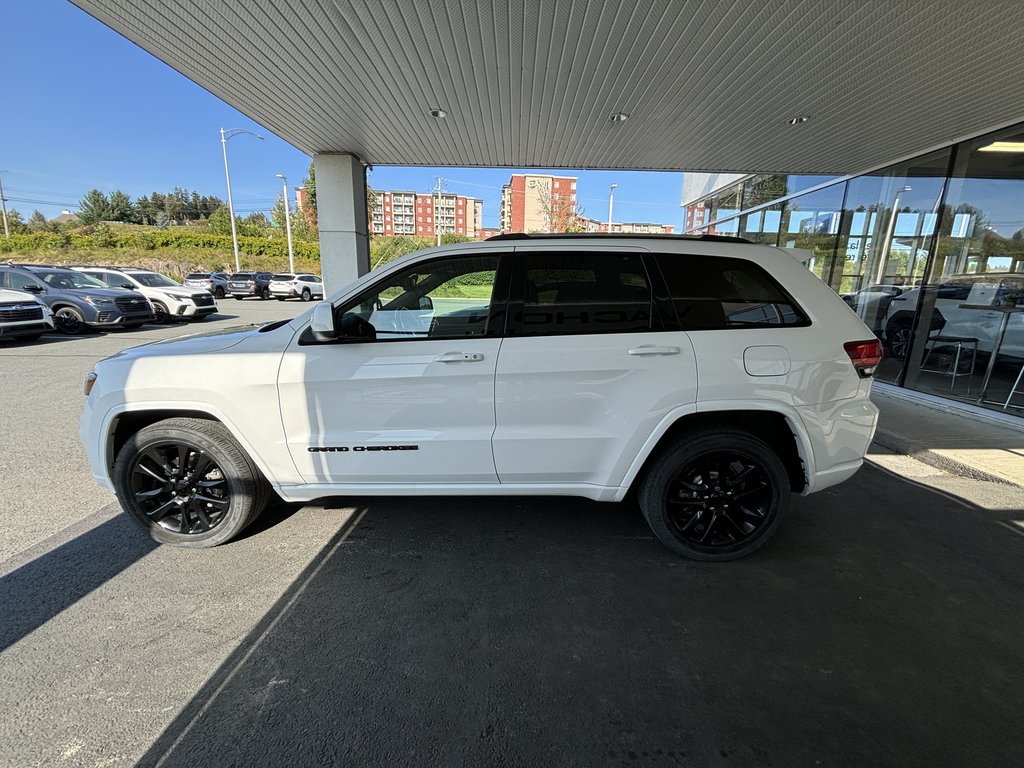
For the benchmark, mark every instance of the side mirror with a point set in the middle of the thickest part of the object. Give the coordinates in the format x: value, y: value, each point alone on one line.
x: 426, y: 303
x: 322, y: 322
x: 36, y: 289
x: 129, y: 286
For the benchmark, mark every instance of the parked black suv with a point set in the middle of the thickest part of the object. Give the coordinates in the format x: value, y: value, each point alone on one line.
x: 242, y: 284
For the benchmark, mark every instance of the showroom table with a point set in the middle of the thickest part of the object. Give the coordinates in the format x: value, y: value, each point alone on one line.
x: 1006, y: 311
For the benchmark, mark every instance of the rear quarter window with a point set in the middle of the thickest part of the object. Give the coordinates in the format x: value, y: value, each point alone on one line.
x: 716, y: 292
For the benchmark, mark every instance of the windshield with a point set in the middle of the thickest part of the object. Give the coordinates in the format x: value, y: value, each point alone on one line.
x: 66, y: 278
x: 242, y: 276
x: 153, y: 280
x: 198, y: 276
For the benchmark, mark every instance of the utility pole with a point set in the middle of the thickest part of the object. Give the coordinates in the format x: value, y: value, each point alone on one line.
x: 437, y: 208
x: 287, y: 221
x: 3, y: 204
x: 611, y: 194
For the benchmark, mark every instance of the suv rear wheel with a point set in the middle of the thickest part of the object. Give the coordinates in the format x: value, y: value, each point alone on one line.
x: 717, y: 494
x: 218, y: 292
x: 188, y: 482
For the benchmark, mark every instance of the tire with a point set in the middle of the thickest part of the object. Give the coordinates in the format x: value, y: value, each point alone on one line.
x: 265, y: 294
x: 160, y: 314
x: 174, y: 511
x: 69, y: 321
x: 306, y: 294
x: 715, y: 495
x: 218, y: 293
x: 897, y: 339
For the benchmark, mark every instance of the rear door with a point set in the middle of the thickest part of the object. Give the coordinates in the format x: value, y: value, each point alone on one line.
x: 588, y: 368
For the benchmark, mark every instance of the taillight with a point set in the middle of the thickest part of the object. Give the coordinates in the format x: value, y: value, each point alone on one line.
x: 864, y: 355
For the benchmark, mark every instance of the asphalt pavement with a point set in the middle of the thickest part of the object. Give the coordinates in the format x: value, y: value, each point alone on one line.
x: 879, y: 627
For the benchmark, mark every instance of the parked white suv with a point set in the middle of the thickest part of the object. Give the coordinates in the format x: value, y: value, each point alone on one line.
x: 714, y: 377
x: 23, y: 315
x: 169, y: 299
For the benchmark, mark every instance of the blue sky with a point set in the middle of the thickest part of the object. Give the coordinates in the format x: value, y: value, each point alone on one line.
x: 85, y: 108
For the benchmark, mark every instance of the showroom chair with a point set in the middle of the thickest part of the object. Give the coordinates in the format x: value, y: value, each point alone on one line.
x: 1014, y: 390
x: 953, y: 370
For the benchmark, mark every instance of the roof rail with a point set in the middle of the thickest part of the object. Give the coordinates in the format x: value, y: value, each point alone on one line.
x: 617, y: 236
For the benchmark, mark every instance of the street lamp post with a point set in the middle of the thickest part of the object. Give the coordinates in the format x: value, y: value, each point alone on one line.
x: 287, y: 221
x: 3, y: 205
x: 224, y: 136
x: 611, y: 193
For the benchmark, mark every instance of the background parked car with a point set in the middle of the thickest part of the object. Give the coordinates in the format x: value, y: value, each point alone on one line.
x: 78, y: 301
x: 169, y: 299
x: 23, y: 315
x: 214, y: 282
x: 298, y: 286
x: 242, y: 284
x: 985, y: 289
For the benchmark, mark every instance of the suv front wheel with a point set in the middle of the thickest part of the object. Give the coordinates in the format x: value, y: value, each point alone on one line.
x: 188, y: 482
x: 717, y: 494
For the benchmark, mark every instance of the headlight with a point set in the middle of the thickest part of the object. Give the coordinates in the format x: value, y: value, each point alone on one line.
x: 90, y: 380
x: 179, y: 297
x: 98, y: 302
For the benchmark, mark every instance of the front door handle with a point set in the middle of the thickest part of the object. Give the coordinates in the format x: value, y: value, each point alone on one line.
x: 459, y: 357
x: 652, y: 350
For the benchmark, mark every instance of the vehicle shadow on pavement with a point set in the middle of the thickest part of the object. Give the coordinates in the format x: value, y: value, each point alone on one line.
x: 881, y: 626
x: 37, y: 591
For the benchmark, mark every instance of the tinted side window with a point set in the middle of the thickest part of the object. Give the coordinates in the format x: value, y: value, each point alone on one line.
x: 580, y: 293
x: 714, y: 292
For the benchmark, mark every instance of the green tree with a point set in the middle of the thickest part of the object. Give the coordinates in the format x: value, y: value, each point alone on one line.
x: 220, y: 221
x: 37, y: 222
x: 121, y: 208
x: 15, y: 224
x: 309, y: 185
x: 93, y: 207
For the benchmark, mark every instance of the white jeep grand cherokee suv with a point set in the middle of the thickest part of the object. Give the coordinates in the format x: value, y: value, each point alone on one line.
x: 713, y: 376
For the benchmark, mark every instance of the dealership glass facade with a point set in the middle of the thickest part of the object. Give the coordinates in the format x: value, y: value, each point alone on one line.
x: 929, y: 252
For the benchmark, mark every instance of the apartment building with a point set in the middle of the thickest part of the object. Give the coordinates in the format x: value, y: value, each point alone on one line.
x: 400, y: 212
x: 536, y: 203
x: 626, y: 227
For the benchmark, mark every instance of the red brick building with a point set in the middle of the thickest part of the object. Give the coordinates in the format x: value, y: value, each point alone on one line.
x: 423, y: 215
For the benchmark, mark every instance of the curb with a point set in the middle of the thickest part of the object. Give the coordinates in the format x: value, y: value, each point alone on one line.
x: 925, y: 455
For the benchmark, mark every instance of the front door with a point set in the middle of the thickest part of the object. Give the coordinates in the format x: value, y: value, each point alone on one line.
x: 406, y: 395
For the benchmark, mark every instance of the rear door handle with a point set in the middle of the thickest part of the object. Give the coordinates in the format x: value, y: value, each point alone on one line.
x: 459, y: 357
x: 652, y: 350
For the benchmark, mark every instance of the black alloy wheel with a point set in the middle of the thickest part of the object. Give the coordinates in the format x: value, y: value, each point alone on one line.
x: 188, y: 482
x: 160, y: 313
x: 306, y: 294
x: 897, y: 338
x: 180, y: 488
x: 716, y: 495
x: 218, y: 292
x: 69, y: 320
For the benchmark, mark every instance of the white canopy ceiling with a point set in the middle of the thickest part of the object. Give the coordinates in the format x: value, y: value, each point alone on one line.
x: 706, y: 85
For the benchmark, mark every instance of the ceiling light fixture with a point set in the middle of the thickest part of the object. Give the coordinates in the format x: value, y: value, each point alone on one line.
x: 618, y: 117
x: 798, y: 119
x: 1003, y: 146
x: 438, y: 113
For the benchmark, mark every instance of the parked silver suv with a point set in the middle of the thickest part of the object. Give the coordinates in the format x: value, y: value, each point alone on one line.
x: 214, y: 282
x: 78, y: 301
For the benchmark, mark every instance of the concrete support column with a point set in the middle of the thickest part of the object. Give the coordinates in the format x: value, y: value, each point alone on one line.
x: 341, y: 213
